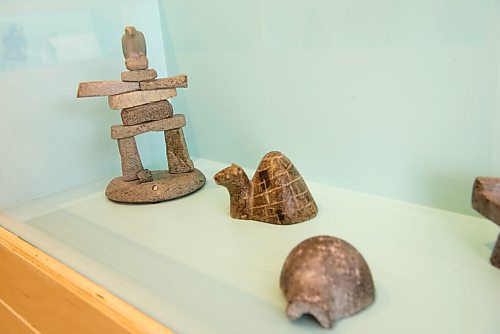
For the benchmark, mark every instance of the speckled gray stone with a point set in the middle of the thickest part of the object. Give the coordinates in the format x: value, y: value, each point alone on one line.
x: 328, y: 278
x: 105, y: 88
x: 177, y: 152
x: 131, y: 161
x: 147, y: 112
x: 124, y: 131
x: 137, y: 98
x: 178, y: 81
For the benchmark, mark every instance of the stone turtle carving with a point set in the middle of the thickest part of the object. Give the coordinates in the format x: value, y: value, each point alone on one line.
x: 277, y: 193
x: 327, y: 278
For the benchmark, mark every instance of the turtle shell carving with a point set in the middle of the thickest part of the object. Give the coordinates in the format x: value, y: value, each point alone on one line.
x: 327, y: 278
x: 277, y: 193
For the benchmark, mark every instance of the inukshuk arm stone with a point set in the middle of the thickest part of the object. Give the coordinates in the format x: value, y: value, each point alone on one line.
x: 131, y: 161
x: 178, y: 81
x: 177, y: 152
x: 121, y: 131
x: 140, y: 97
x: 105, y: 88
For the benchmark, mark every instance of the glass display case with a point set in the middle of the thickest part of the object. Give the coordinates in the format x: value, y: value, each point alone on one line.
x: 388, y: 110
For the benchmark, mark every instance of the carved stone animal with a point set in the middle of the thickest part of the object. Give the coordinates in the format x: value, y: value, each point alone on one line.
x: 134, y: 49
x: 277, y: 193
x: 327, y: 278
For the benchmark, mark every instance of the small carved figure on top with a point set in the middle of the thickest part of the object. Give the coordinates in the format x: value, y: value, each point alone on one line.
x: 134, y: 49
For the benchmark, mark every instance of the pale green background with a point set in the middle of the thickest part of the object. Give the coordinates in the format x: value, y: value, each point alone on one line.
x: 395, y: 98
x: 398, y: 99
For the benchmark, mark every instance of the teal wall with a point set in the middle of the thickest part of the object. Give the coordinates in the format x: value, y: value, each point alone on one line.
x: 397, y: 99
x: 49, y: 140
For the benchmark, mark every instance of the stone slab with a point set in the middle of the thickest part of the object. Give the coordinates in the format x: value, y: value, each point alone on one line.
x: 136, y: 63
x: 177, y: 152
x: 147, y: 112
x: 140, y: 75
x: 130, y: 159
x: 123, y: 131
x: 178, y: 81
x: 164, y: 186
x: 140, y: 97
x: 105, y: 88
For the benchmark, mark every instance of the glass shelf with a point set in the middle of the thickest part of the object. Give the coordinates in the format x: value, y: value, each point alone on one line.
x: 192, y: 267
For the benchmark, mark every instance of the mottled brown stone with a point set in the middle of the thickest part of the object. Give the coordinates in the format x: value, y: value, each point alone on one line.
x: 140, y: 97
x: 105, y: 88
x: 177, y: 152
x: 178, y: 81
x: 277, y: 193
x: 486, y: 201
x: 131, y: 161
x: 164, y: 186
x: 328, y: 278
x: 139, y: 76
x: 147, y: 112
x: 124, y: 131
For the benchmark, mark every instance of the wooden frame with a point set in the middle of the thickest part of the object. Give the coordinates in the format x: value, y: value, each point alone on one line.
x: 38, y: 294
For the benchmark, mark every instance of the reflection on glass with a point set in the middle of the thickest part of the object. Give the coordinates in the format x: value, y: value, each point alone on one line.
x: 14, y: 46
x: 61, y: 32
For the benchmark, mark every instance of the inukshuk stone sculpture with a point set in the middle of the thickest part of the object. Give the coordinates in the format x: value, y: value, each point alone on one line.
x: 327, y: 278
x: 486, y: 201
x: 143, y: 101
x: 277, y: 193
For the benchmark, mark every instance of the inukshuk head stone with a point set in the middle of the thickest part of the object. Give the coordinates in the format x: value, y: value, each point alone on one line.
x: 134, y: 49
x: 327, y: 278
x: 277, y: 193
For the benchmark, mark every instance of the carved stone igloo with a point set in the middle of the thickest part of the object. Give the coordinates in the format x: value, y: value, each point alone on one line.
x: 327, y: 278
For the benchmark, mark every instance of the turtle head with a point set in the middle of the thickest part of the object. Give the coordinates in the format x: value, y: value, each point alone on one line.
x: 231, y: 175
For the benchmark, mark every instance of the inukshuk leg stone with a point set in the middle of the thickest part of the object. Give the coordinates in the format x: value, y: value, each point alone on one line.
x: 177, y: 152
x: 131, y: 161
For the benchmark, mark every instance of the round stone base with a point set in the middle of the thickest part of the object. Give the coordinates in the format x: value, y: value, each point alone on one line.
x: 164, y: 187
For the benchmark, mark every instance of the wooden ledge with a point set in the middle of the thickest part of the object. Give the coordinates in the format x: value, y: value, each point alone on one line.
x: 41, y: 295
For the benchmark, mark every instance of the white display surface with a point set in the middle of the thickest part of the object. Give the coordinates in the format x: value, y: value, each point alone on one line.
x: 192, y: 267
